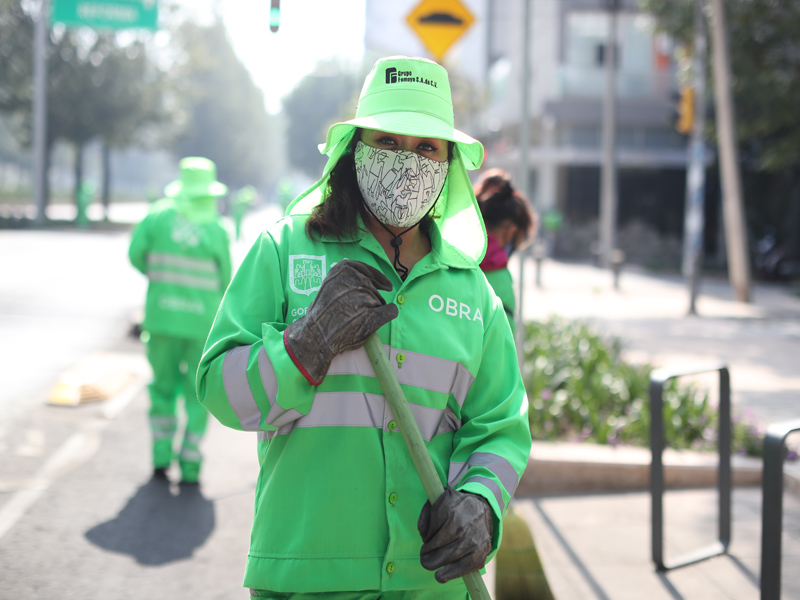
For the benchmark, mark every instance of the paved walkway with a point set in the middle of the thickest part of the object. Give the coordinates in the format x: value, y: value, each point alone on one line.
x: 599, y: 545
x: 759, y: 341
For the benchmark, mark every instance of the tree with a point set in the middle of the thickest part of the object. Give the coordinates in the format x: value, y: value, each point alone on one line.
x: 96, y: 86
x: 322, y: 98
x: 765, y: 59
x: 225, y: 118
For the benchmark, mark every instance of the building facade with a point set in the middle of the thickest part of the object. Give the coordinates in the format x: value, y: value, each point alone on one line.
x: 567, y: 53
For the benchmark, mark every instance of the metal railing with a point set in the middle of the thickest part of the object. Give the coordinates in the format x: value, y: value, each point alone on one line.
x: 658, y: 379
x: 772, y: 507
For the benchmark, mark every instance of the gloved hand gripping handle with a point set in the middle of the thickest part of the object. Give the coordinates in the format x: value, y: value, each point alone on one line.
x: 416, y: 446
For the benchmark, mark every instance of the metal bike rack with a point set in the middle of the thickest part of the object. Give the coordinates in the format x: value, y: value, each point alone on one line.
x: 772, y: 507
x: 658, y: 379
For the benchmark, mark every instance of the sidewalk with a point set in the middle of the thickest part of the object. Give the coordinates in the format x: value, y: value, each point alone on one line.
x: 598, y: 545
x: 758, y: 341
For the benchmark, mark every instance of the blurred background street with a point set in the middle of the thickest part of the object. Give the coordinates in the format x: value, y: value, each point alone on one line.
x: 656, y: 142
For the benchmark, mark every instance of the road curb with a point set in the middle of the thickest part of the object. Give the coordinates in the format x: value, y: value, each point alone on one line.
x: 569, y: 468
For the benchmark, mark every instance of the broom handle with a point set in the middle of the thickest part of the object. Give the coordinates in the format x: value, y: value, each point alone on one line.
x: 416, y: 446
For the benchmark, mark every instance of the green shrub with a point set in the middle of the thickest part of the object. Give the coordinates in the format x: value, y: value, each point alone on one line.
x: 579, y: 388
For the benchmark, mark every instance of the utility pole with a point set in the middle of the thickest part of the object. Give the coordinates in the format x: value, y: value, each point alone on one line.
x: 735, y: 232
x: 696, y: 171
x: 40, y: 110
x: 524, y: 142
x: 608, y: 174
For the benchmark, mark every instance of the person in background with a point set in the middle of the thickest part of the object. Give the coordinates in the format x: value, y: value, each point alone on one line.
x: 184, y: 250
x: 241, y: 204
x: 386, y: 241
x: 510, y: 225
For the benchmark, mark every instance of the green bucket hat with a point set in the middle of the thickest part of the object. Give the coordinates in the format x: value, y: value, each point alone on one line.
x: 198, y: 179
x: 411, y: 96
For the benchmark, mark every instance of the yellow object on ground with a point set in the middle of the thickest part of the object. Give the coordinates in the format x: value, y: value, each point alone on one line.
x: 97, y: 377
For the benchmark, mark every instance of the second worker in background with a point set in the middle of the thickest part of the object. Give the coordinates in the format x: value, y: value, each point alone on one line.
x: 184, y: 250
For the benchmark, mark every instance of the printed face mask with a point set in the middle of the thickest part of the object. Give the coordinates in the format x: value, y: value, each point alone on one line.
x: 398, y: 186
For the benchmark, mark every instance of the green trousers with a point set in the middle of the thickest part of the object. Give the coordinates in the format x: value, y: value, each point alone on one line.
x: 432, y: 594
x: 174, y: 362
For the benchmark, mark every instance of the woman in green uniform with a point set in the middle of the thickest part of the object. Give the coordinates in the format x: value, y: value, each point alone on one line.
x: 510, y: 225
x: 388, y: 240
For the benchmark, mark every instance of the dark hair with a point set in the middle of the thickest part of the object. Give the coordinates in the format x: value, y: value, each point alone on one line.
x: 342, y: 203
x: 500, y: 202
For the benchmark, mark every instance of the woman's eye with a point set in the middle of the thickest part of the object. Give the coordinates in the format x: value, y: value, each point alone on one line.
x: 387, y: 141
x: 426, y: 147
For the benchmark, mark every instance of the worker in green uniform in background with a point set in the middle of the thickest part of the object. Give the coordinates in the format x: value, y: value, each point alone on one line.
x: 184, y: 250
x: 510, y: 225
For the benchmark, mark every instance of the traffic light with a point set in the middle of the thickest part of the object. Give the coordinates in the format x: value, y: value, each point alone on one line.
x: 685, y: 110
x: 275, y: 15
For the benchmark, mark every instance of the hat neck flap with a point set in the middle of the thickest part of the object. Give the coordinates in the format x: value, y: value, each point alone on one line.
x: 459, y: 219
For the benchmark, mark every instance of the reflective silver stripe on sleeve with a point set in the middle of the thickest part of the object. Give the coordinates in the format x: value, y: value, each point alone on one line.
x: 182, y: 262
x: 493, y: 487
x: 277, y: 415
x: 498, y: 465
x: 191, y: 281
x: 237, y: 388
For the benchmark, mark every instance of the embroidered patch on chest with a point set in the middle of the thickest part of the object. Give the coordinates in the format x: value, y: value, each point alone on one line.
x: 306, y: 273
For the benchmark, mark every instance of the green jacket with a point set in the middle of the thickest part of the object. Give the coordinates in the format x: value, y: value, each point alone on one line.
x: 188, y: 265
x: 503, y: 285
x: 338, y: 497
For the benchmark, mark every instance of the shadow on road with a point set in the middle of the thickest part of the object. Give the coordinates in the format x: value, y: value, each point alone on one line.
x: 156, y: 526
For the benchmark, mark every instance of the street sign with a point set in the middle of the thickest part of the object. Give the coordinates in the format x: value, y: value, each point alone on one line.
x: 106, y: 14
x: 439, y: 23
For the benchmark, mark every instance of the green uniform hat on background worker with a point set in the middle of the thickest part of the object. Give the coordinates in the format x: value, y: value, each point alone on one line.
x: 340, y: 510
x: 183, y: 249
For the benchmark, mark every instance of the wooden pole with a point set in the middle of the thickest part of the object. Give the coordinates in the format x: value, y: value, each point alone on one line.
x: 733, y: 206
x: 416, y: 445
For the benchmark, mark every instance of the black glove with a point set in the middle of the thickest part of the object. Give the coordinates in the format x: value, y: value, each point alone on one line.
x: 457, y: 531
x: 346, y: 311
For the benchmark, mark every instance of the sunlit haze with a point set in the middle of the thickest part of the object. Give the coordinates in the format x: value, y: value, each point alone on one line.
x: 310, y: 31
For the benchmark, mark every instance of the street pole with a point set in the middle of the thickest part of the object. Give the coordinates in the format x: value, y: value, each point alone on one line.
x: 735, y: 232
x: 696, y: 171
x: 524, y: 168
x: 40, y: 110
x: 608, y: 174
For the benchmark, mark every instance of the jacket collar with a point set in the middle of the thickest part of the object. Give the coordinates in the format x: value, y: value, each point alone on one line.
x: 441, y: 249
